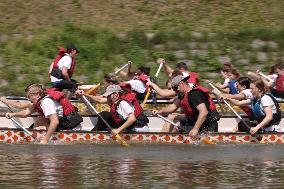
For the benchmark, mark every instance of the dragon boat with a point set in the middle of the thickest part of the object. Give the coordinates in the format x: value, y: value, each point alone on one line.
x: 11, y: 133
x: 150, y: 105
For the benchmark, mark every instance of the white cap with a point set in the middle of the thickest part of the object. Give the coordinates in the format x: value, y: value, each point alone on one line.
x: 112, y: 89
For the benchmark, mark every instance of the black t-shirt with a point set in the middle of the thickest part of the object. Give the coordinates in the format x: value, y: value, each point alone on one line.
x: 196, y: 97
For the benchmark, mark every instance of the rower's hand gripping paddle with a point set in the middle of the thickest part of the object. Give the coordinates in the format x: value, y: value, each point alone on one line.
x: 257, y: 136
x: 205, y: 140
x: 118, y: 138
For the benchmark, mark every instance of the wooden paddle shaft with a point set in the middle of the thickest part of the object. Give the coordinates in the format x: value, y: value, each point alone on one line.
x: 22, y: 127
x: 17, y: 123
x: 146, y: 97
x: 117, y: 137
x: 165, y: 119
x: 121, y: 68
x: 202, y: 139
x: 149, y: 89
x: 246, y: 125
x: 226, y: 102
x: 94, y: 109
x: 159, y: 69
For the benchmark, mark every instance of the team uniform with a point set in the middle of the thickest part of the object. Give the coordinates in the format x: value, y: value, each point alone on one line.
x: 190, y: 101
x: 63, y: 59
x: 119, y: 113
x: 257, y: 107
x: 55, y: 103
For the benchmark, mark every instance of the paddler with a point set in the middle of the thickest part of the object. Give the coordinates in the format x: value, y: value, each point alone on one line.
x: 62, y: 69
x: 138, y: 80
x: 180, y: 67
x: 52, y: 105
x: 265, y: 108
x: 200, y: 111
x: 125, y: 114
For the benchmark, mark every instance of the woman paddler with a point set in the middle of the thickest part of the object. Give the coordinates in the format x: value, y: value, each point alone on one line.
x: 265, y: 109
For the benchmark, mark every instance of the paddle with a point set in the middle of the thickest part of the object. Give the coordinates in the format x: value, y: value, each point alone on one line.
x: 117, y: 137
x: 146, y: 97
x: 258, y: 137
x: 205, y: 140
x: 149, y: 89
x: 17, y: 123
x: 167, y: 120
x: 22, y: 127
x: 91, y: 90
x: 159, y: 69
x: 117, y: 71
x: 266, y: 77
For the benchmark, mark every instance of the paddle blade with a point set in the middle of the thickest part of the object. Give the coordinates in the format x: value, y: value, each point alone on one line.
x: 146, y: 97
x: 93, y: 89
x: 121, y: 141
x: 206, y: 140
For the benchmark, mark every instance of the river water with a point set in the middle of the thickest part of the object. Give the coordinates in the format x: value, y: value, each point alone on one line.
x: 141, y: 166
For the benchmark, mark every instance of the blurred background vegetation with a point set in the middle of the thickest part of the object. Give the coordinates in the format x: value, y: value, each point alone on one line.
x: 203, y: 33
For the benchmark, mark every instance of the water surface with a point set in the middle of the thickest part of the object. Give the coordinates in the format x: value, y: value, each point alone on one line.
x: 141, y: 166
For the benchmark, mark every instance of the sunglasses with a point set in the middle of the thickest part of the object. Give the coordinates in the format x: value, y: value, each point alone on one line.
x: 175, y: 88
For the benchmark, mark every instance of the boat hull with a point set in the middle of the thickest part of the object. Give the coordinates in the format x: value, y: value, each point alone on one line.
x: 70, y: 137
x: 225, y: 124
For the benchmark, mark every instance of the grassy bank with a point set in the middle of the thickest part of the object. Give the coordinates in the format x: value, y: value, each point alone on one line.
x: 27, y: 58
x: 108, y: 33
x: 121, y: 16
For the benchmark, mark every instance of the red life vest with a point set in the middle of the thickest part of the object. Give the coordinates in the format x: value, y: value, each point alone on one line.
x: 279, y: 83
x: 188, y: 110
x: 60, y: 98
x: 193, y: 78
x: 61, y: 53
x: 129, y: 97
x: 144, y: 78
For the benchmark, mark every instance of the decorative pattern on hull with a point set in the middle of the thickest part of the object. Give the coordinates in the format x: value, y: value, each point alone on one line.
x: 16, y: 136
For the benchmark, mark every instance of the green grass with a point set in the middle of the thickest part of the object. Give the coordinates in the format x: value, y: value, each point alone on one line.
x: 34, y: 28
x: 122, y: 16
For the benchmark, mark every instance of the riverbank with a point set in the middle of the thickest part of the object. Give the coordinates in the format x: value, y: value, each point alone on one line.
x: 202, y: 33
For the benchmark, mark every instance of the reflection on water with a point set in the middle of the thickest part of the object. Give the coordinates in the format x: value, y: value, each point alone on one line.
x: 141, y: 166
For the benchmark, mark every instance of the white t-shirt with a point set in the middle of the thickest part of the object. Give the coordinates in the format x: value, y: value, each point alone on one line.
x: 124, y: 109
x: 248, y: 94
x: 50, y: 106
x: 65, y: 61
x: 267, y: 101
x: 185, y: 74
x: 226, y: 82
x: 137, y: 85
